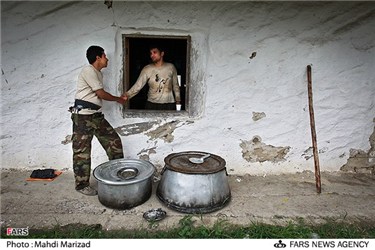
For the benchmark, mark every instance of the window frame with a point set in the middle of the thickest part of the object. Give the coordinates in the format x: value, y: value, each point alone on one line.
x: 126, y: 76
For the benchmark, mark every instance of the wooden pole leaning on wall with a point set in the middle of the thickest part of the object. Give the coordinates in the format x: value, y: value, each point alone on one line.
x: 313, y: 131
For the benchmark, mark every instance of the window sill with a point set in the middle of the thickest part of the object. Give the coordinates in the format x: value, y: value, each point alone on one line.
x: 137, y: 113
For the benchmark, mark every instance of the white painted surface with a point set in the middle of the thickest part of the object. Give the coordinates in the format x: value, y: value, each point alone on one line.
x: 43, y: 49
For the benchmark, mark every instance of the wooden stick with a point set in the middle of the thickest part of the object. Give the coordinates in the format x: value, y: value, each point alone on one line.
x: 313, y: 132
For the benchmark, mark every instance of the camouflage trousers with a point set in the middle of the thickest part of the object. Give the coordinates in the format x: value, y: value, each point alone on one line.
x: 85, y: 127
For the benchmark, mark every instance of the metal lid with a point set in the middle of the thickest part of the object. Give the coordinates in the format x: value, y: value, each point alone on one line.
x: 180, y: 162
x: 123, y: 171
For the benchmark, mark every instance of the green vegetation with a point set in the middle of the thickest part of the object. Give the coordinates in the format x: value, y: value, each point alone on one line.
x: 220, y: 230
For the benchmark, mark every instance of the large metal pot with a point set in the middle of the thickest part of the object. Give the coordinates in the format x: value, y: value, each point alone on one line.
x: 192, y: 187
x: 124, y: 183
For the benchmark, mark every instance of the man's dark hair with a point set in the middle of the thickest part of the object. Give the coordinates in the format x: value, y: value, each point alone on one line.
x: 156, y: 46
x: 92, y: 52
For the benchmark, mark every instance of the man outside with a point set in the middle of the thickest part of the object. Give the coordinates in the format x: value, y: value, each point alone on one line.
x: 88, y: 119
x: 164, y: 91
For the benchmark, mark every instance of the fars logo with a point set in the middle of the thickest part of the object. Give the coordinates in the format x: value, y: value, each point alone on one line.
x: 280, y: 244
x: 17, y: 231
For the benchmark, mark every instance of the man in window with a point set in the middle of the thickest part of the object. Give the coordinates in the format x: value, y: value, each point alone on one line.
x: 88, y: 119
x: 164, y: 91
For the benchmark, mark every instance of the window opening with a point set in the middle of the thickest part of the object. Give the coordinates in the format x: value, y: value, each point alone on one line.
x: 137, y: 56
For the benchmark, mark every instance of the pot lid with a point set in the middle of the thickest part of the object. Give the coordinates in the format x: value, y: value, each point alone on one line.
x: 124, y: 171
x: 181, y: 162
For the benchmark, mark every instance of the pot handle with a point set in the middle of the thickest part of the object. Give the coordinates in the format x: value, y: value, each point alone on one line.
x: 162, y: 171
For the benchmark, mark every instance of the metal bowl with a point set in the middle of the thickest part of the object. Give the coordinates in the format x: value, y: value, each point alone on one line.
x: 154, y: 215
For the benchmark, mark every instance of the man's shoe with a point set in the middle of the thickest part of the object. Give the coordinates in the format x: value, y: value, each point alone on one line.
x: 88, y: 191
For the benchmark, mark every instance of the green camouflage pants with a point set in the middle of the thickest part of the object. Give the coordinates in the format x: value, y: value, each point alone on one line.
x: 85, y: 127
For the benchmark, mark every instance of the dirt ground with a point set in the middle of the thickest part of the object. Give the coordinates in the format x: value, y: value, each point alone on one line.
x: 273, y: 199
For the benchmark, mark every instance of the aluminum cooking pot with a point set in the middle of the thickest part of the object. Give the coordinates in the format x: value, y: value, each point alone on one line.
x: 124, y: 183
x: 194, y: 187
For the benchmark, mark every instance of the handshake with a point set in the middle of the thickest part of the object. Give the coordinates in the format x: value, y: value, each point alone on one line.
x: 122, y: 99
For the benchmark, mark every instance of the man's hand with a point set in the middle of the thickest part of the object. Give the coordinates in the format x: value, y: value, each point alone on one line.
x: 125, y: 97
x: 122, y: 100
x: 102, y: 94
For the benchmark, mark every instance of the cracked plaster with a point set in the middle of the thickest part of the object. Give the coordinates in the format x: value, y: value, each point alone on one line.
x: 257, y: 151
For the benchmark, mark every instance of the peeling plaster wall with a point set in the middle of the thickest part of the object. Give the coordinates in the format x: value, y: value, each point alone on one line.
x: 360, y: 161
x: 248, y: 72
x: 257, y: 151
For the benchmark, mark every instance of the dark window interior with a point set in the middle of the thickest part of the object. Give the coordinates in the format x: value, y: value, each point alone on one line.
x: 138, y: 56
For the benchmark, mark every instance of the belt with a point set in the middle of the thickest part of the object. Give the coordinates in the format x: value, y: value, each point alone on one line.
x: 81, y: 104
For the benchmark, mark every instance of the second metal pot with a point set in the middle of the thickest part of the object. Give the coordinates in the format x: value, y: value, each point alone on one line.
x: 194, y: 188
